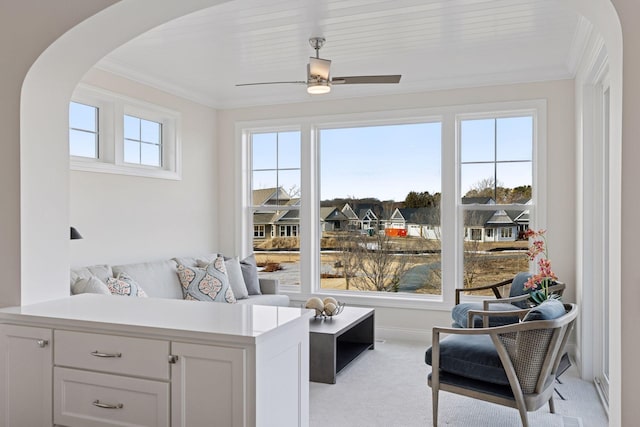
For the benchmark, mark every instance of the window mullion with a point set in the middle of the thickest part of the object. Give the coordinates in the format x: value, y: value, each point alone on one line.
x: 449, y: 213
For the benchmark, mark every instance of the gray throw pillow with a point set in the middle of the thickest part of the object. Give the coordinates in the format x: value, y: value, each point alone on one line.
x: 236, y: 280
x: 89, y: 285
x: 250, y: 274
x: 549, y: 310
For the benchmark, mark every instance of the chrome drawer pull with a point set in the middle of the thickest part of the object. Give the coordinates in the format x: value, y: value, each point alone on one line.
x: 42, y: 343
x: 99, y: 354
x: 108, y: 405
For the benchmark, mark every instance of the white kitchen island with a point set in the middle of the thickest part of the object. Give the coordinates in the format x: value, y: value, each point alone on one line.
x: 94, y: 360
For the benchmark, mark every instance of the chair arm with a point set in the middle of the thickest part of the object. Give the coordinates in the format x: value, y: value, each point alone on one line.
x: 494, y: 287
x: 269, y: 286
x: 511, y: 300
x: 485, y: 314
x: 558, y: 288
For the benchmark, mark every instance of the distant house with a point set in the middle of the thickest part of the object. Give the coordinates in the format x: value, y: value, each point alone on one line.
x: 352, y: 217
x: 332, y: 219
x: 493, y: 225
x: 361, y: 217
x: 282, y: 223
x: 480, y: 225
x: 415, y: 222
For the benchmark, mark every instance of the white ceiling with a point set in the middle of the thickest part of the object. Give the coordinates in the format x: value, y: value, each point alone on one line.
x: 434, y: 44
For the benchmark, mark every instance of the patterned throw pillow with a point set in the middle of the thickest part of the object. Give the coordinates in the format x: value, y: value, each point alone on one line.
x: 206, y: 284
x: 125, y: 285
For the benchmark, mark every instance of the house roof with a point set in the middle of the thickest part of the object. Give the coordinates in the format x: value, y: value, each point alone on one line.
x: 477, y: 218
x: 478, y: 201
x: 426, y: 215
x: 268, y: 196
x: 332, y: 213
x: 347, y: 210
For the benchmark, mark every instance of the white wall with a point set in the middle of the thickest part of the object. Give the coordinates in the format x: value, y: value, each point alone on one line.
x: 24, y: 34
x: 560, y: 159
x: 129, y: 218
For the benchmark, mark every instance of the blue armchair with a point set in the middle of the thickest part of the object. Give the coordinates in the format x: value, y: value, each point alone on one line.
x: 513, y: 365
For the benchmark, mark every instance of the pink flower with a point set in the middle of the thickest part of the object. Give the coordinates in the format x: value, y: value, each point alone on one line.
x: 537, y: 250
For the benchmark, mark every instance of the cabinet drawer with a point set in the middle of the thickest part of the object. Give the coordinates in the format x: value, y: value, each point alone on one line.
x: 111, y: 353
x: 90, y: 399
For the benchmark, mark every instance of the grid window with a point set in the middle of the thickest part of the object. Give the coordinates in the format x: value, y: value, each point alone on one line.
x: 142, y: 141
x: 496, y: 177
x: 496, y: 158
x: 83, y: 130
x: 116, y: 134
x: 275, y: 199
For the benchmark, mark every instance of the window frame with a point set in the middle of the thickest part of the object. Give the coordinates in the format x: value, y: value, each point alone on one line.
x: 111, y: 110
x: 96, y: 133
x: 453, y: 229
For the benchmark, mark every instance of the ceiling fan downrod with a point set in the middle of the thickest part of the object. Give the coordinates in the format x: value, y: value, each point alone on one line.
x: 317, y: 43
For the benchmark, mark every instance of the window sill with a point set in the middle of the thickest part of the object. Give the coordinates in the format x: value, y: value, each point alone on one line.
x: 100, y: 167
x: 394, y: 300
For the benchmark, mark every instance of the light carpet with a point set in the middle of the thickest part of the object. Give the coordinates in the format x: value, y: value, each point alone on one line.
x: 387, y: 387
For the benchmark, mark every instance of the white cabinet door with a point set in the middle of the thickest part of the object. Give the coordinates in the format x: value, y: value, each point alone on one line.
x: 208, y: 386
x: 25, y: 376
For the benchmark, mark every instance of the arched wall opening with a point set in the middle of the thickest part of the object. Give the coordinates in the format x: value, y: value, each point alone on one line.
x: 44, y: 172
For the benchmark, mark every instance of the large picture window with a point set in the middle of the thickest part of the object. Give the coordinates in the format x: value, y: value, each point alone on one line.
x: 401, y: 209
x: 380, y: 208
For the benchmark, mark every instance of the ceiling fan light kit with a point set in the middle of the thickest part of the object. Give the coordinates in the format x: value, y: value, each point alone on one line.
x: 318, y: 79
x: 318, y: 88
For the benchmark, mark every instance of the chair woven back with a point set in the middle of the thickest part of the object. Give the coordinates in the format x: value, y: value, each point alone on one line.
x: 528, y: 351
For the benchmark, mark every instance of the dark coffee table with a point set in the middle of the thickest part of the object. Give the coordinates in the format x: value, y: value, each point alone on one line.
x: 336, y: 341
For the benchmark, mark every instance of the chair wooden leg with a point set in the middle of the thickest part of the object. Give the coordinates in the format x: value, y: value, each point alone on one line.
x: 552, y: 406
x: 523, y: 416
x: 434, y: 399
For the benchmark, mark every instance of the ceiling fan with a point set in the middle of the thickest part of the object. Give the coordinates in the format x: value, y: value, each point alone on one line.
x: 318, y: 79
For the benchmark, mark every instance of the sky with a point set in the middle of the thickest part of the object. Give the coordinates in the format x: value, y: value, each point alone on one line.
x: 387, y: 162
x: 384, y: 162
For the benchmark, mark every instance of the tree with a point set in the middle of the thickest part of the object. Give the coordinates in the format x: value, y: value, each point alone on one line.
x: 502, y: 195
x: 379, y: 266
x: 421, y: 200
x: 347, y: 255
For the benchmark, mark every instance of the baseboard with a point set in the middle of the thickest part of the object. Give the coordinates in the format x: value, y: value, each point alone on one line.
x: 404, y: 334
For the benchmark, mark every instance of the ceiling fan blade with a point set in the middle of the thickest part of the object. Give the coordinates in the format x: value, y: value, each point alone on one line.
x: 351, y: 80
x: 319, y: 67
x: 271, y: 83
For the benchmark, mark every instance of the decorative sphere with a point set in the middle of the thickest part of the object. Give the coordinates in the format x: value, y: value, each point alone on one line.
x: 330, y: 300
x: 330, y: 309
x: 316, y: 304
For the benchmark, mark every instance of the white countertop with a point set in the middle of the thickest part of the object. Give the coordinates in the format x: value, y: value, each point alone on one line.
x: 220, y: 319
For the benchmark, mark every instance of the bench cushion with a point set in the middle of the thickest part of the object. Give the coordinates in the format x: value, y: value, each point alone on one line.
x: 159, y: 279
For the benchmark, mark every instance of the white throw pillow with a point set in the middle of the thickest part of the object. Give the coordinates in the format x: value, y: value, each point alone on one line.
x: 236, y: 280
x: 89, y: 285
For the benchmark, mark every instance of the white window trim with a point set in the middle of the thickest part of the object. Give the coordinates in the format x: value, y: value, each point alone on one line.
x: 451, y: 237
x: 111, y: 110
